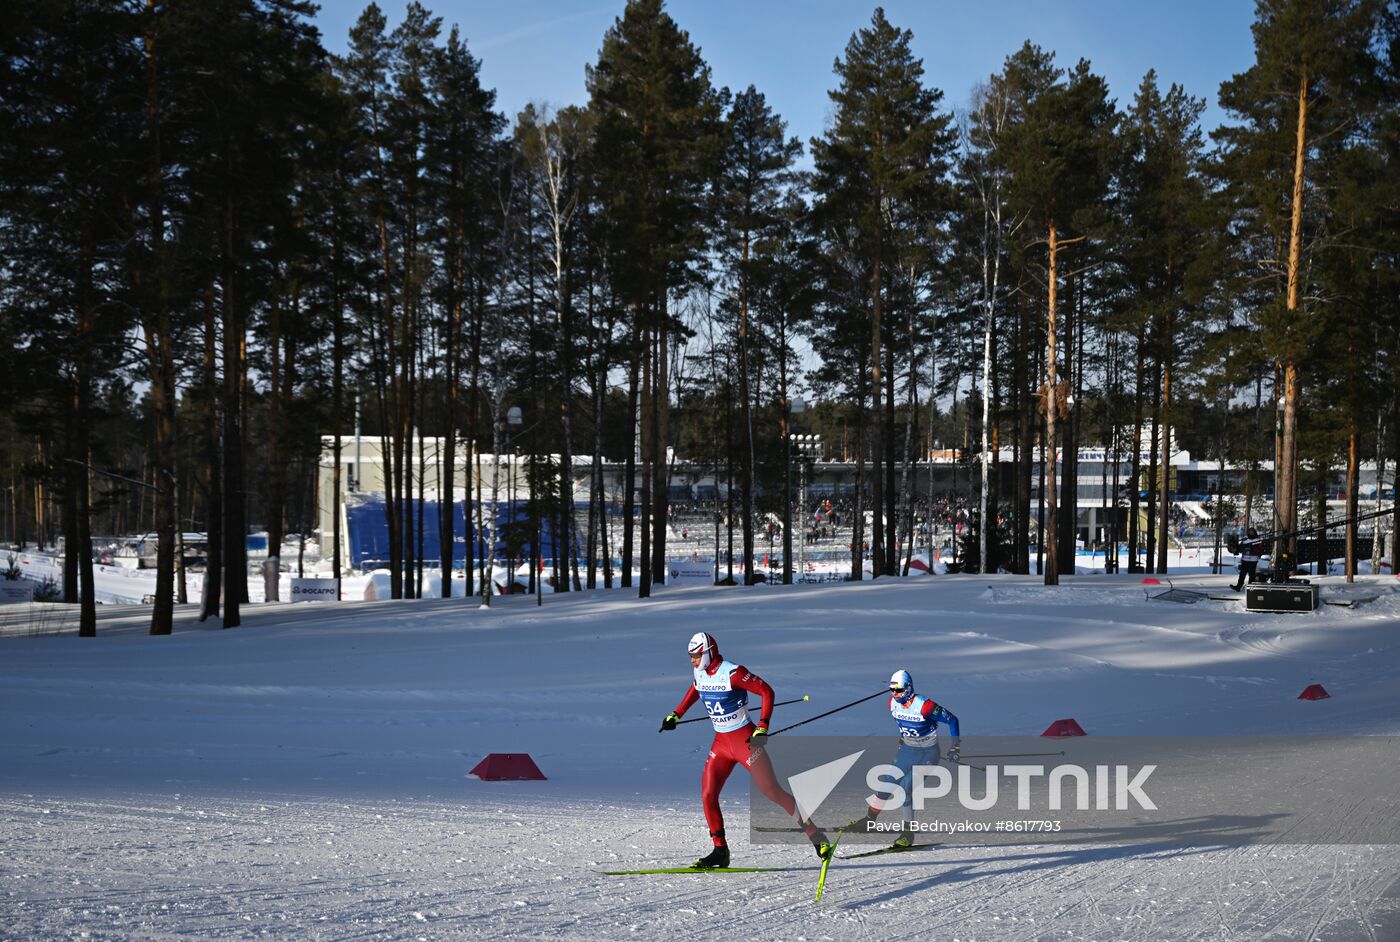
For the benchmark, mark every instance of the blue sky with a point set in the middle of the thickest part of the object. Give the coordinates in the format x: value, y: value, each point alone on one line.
x: 536, y: 50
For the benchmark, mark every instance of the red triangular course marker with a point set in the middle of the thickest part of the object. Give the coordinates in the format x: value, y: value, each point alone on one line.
x: 1065, y: 728
x: 1314, y: 692
x: 1150, y: 581
x: 508, y: 767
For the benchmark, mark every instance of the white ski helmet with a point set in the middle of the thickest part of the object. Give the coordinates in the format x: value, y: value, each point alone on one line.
x: 901, y: 683
x: 704, y: 647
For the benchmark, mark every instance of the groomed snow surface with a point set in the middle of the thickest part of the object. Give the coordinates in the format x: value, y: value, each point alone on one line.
x: 304, y: 776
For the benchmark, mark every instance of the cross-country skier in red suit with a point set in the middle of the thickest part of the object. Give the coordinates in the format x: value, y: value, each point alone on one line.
x: 725, y: 687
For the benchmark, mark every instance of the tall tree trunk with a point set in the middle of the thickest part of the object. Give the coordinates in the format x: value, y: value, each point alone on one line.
x: 1025, y: 437
x: 488, y: 556
x: 648, y: 456
x: 600, y: 498
x: 877, y: 425
x: 235, y: 541
x: 277, y: 458
x: 1052, y: 408
x: 1111, y: 561
x: 1076, y: 417
x: 729, y: 486
x: 391, y: 394
x: 891, y: 510
x: 984, y: 494
x: 634, y: 445
x: 452, y: 370
x: 746, y: 479
x: 158, y: 347
x: 1377, y: 547
x: 87, y: 602
x: 1154, y: 468
x: 1353, y: 480
x: 1395, y: 486
x: 891, y: 517
x: 472, y: 459
x: 1067, y: 506
x: 1040, y: 508
x: 1135, y: 465
x: 213, y: 462
x: 906, y: 495
x: 78, y: 580
x: 568, y: 552
x: 1164, y: 504
x: 785, y: 433
x: 661, y: 421
x: 1288, y: 481
x: 858, y: 519
x: 337, y: 405
x: 422, y: 466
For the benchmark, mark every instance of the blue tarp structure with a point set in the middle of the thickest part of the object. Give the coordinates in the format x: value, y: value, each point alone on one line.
x: 368, y: 532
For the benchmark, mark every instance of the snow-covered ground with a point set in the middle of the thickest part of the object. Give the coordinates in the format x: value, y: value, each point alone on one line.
x: 304, y: 776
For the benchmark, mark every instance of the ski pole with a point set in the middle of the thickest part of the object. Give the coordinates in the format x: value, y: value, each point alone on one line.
x: 696, y: 719
x: 879, y: 693
x: 1014, y: 755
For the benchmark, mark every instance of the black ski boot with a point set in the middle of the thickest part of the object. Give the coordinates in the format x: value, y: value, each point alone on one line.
x: 821, y: 843
x: 717, y: 859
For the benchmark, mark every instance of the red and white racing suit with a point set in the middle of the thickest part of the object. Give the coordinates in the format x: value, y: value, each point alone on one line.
x: 724, y: 688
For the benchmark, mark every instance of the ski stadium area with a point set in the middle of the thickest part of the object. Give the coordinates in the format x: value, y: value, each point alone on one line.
x: 307, y: 775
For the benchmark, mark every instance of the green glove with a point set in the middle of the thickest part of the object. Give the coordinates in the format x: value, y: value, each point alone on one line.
x: 670, y: 721
x: 760, y: 736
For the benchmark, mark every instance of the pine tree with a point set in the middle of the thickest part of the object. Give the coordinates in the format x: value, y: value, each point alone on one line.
x: 66, y: 120
x: 755, y: 173
x: 886, y: 152
x: 1058, y: 156
x: 1312, y: 80
x: 460, y: 156
x: 1164, y: 234
x: 658, y: 121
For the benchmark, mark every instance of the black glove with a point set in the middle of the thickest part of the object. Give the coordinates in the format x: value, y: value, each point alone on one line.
x: 669, y: 722
x: 955, y: 750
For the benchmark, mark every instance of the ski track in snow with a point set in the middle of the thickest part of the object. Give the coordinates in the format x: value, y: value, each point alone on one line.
x: 303, y: 777
x: 164, y: 867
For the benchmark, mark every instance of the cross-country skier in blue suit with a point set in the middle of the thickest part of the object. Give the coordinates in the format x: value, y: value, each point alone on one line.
x: 918, y: 718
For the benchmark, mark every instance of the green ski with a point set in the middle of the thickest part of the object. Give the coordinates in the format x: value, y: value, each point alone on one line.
x: 621, y: 873
x: 821, y: 879
x: 889, y: 850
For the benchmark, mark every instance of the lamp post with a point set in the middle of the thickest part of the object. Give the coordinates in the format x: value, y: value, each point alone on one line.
x: 807, y: 449
x: 510, y: 498
x: 514, y: 417
x: 795, y: 407
x: 355, y: 480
